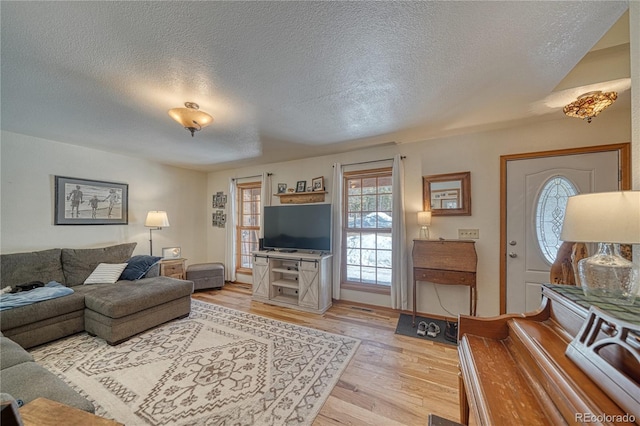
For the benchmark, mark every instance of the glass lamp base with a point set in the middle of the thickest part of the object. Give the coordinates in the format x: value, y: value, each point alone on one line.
x: 607, y: 274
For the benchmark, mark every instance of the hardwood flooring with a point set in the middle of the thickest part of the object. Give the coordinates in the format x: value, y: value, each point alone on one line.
x: 392, y: 379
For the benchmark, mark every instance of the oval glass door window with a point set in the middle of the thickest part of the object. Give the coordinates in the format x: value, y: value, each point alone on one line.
x: 550, y: 208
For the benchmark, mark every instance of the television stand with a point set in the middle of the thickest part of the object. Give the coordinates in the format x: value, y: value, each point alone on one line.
x: 295, y: 280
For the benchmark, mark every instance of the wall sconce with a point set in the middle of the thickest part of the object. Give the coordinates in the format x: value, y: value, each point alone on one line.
x: 424, y: 220
x: 609, y: 219
x: 190, y: 117
x: 156, y: 220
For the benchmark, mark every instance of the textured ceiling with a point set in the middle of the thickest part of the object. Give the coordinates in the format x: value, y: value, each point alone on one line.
x: 284, y: 80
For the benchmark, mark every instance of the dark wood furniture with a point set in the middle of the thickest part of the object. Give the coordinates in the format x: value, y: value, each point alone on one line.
x: 451, y: 262
x: 515, y: 370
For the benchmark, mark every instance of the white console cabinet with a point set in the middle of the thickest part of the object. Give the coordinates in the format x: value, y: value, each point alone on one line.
x: 296, y: 280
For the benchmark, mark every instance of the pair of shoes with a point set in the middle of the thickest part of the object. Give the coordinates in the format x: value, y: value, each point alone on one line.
x: 422, y: 328
x: 433, y: 330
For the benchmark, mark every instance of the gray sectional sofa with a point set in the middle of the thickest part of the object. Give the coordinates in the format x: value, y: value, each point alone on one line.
x: 114, y: 312
x: 22, y: 378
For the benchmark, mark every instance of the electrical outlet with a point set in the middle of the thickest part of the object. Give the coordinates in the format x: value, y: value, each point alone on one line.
x: 466, y: 234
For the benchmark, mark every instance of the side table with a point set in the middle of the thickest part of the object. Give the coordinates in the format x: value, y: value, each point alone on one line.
x: 44, y: 412
x: 174, y: 268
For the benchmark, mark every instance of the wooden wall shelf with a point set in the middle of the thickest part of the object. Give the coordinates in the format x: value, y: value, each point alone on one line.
x: 301, y: 197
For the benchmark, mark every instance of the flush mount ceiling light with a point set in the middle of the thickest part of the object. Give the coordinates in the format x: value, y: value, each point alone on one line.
x: 191, y: 118
x: 590, y: 105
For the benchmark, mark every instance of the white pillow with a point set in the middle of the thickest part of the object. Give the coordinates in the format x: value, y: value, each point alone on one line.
x: 106, y: 273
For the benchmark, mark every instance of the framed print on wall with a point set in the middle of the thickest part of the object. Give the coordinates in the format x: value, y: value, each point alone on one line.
x: 90, y: 202
x: 301, y: 186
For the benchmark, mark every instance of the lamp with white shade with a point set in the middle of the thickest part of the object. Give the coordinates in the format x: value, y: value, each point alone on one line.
x: 156, y: 220
x: 424, y: 220
x: 609, y: 219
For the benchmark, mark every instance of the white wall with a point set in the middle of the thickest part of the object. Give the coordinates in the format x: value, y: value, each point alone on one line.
x: 27, y: 200
x: 479, y: 153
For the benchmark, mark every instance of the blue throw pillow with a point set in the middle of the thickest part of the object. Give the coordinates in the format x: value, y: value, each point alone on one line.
x: 138, y: 266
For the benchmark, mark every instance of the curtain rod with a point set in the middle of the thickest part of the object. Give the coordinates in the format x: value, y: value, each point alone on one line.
x: 247, y: 177
x: 374, y: 161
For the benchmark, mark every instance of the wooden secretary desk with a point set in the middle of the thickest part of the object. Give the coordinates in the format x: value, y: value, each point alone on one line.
x: 451, y: 262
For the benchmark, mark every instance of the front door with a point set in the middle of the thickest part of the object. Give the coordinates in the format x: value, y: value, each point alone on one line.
x: 536, y: 194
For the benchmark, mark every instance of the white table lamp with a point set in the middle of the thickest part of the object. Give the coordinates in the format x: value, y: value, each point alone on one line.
x: 156, y: 220
x: 424, y: 220
x: 609, y: 219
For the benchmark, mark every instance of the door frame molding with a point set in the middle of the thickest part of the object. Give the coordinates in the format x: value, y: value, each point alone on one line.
x: 624, y: 183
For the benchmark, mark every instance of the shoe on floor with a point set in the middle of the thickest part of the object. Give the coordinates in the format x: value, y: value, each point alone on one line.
x: 422, y: 328
x: 433, y: 329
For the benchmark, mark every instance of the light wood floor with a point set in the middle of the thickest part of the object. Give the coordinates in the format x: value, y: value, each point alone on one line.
x: 392, y: 379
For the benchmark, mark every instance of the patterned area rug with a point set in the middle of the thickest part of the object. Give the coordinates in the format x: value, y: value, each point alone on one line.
x: 217, y: 367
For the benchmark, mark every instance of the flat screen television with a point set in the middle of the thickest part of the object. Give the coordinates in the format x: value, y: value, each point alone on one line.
x: 298, y: 227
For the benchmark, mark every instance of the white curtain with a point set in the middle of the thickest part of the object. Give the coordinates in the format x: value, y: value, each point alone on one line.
x: 399, y: 237
x: 265, y: 199
x: 336, y: 216
x: 232, y: 217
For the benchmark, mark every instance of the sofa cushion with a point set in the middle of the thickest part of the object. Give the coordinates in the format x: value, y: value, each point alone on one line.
x: 46, y: 309
x: 78, y: 264
x: 106, y: 273
x: 138, y: 266
x: 12, y: 353
x: 128, y: 297
x: 20, y: 268
x: 28, y: 381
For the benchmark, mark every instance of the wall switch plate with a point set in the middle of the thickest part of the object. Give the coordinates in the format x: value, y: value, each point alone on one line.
x: 468, y: 234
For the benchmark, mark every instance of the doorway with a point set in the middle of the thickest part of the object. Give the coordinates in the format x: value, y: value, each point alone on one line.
x: 533, y: 183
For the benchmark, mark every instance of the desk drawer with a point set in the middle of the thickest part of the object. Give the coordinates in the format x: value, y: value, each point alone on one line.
x: 439, y: 276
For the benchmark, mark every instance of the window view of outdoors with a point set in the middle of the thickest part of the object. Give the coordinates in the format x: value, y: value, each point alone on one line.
x: 367, y: 229
x: 248, y: 224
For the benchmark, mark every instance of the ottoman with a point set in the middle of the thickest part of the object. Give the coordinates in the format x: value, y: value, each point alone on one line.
x: 116, y: 312
x: 206, y: 275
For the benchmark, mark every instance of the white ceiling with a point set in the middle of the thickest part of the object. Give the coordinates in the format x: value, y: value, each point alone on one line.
x: 285, y: 80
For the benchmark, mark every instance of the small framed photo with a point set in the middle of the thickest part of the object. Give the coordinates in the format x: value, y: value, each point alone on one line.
x: 301, y: 186
x: 317, y: 184
x: 219, y: 200
x: 218, y: 219
x: 171, y: 253
x: 282, y: 188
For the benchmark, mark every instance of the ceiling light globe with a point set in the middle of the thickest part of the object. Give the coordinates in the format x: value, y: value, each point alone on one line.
x: 190, y: 117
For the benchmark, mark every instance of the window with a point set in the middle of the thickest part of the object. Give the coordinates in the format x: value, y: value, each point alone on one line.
x: 248, y: 227
x: 367, y: 230
x: 550, y: 209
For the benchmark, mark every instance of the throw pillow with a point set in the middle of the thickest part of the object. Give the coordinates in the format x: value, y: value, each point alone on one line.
x: 77, y: 264
x: 18, y: 268
x: 138, y: 266
x: 106, y: 273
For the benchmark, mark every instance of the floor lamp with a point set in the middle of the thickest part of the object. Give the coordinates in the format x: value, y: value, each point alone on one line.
x: 156, y: 220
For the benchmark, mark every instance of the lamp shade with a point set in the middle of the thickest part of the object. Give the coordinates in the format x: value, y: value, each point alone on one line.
x: 157, y: 219
x: 604, y: 217
x: 424, y: 218
x: 190, y: 117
